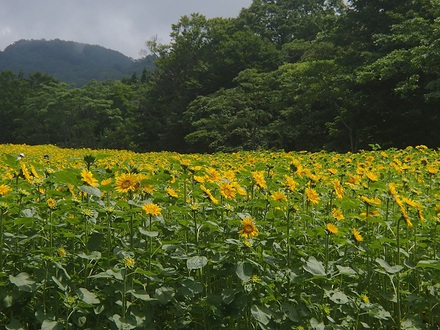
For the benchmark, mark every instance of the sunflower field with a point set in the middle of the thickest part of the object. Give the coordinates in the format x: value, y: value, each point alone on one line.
x: 106, y: 239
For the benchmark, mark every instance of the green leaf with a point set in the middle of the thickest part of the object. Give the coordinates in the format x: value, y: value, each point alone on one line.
x: 122, y: 324
x: 196, y: 262
x: 148, y: 232
x: 66, y: 176
x: 191, y: 287
x: 164, y: 294
x: 338, y: 297
x: 87, y: 296
x: 142, y: 295
x: 92, y: 191
x: 23, y: 282
x: 51, y: 325
x: 314, y: 267
x: 346, y: 270
x: 95, y: 255
x: 228, y: 295
x: 14, y: 325
x: 244, y: 271
x: 429, y: 264
x: 261, y: 314
x: 389, y: 269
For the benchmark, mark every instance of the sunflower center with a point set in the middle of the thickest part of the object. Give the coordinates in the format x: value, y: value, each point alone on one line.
x: 125, y: 184
x: 248, y: 228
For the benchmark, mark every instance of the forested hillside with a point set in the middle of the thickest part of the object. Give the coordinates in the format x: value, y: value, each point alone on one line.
x: 69, y: 61
x: 293, y: 75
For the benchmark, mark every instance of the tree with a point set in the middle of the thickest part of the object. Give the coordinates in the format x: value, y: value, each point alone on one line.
x: 283, y: 21
x: 13, y: 89
x: 237, y: 118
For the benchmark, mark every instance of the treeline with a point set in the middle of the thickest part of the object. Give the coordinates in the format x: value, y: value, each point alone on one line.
x: 289, y: 75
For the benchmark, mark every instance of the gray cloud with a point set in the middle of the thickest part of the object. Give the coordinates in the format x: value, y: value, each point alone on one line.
x: 124, y: 26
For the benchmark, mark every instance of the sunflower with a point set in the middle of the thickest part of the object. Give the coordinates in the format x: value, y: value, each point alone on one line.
x: 331, y: 228
x: 51, y: 203
x: 4, y: 189
x: 357, y: 236
x: 371, y: 201
x: 339, y: 190
x: 279, y: 196
x: 126, y: 182
x: 312, y: 195
x: 209, y: 194
x: 88, y: 178
x: 151, y: 208
x: 371, y: 176
x: 62, y: 252
x: 337, y: 214
x: 129, y: 262
x: 227, y: 190
x: 258, y: 177
x: 249, y: 229
x: 290, y: 183
x: 171, y: 192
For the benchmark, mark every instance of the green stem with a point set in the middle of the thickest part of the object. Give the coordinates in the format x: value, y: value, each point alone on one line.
x: 50, y: 231
x: 1, y: 240
x: 196, y: 234
x: 398, y: 298
x: 326, y: 252
x: 109, y: 237
x: 151, y: 244
x: 124, y: 291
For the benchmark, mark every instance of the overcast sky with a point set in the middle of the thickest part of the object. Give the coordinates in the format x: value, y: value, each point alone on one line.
x: 122, y: 25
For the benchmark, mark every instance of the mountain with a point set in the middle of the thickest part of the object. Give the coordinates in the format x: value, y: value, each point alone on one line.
x: 71, y: 62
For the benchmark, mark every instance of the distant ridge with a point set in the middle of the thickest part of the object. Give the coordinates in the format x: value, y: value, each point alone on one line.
x: 71, y: 62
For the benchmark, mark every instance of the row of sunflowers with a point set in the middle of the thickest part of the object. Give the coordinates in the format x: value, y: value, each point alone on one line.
x: 249, y: 240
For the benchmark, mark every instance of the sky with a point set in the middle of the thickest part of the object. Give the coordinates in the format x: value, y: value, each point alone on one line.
x: 121, y: 25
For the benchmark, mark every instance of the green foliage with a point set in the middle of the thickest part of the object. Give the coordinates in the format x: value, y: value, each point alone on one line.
x: 292, y: 75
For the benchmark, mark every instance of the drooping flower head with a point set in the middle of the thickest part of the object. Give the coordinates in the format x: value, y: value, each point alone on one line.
x: 88, y: 178
x: 279, y: 196
x: 331, y: 228
x: 209, y: 194
x: 337, y: 214
x: 339, y: 189
x: 357, y: 236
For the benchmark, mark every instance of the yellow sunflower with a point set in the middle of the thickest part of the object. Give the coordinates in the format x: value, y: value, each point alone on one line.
x: 171, y: 192
x: 332, y: 229
x: 126, y: 182
x: 4, y: 189
x: 339, y: 189
x: 337, y: 214
x: 279, y: 196
x: 151, y: 208
x: 88, y: 178
x: 227, y: 190
x: 258, y: 177
x: 51, y: 203
x: 249, y: 229
x: 312, y: 195
x: 357, y: 236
